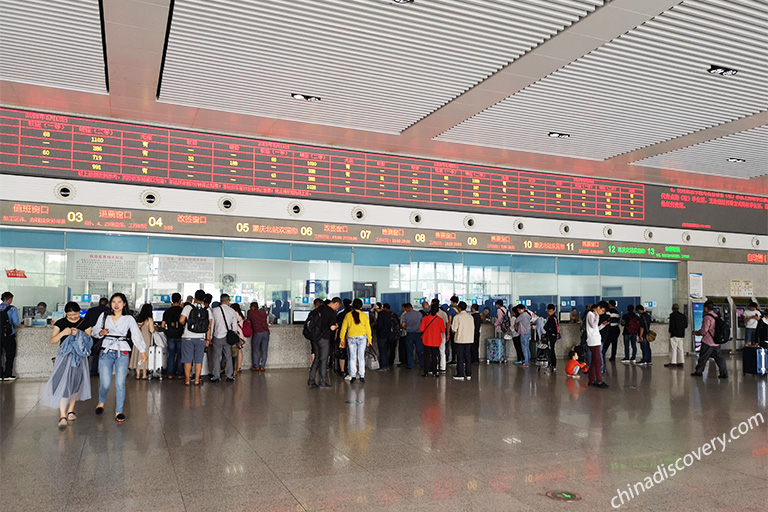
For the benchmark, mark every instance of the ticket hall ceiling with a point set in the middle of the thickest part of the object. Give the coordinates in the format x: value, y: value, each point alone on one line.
x: 653, y: 91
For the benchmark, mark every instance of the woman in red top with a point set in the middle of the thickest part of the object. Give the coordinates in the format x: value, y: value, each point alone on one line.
x: 432, y: 328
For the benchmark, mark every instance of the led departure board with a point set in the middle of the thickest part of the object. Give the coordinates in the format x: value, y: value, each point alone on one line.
x: 41, y: 144
x: 93, y: 218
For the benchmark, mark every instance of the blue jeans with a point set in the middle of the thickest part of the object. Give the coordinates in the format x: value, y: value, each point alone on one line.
x: 356, y: 347
x: 259, y: 349
x: 107, y: 362
x: 645, y: 346
x: 174, y: 356
x: 603, y: 348
x: 630, y: 339
x: 413, y: 340
x: 525, y: 340
x: 749, y: 336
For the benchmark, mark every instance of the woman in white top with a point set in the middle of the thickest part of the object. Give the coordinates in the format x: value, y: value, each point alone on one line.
x: 117, y: 328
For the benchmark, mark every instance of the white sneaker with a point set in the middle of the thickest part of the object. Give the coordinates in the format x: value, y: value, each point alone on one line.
x: 625, y: 361
x: 467, y: 378
x: 456, y: 377
x: 348, y: 377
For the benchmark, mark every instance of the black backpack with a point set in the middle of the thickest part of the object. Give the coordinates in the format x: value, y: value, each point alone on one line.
x: 6, y: 329
x: 173, y: 327
x: 197, y: 321
x: 506, y: 321
x: 313, y: 330
x: 722, y: 333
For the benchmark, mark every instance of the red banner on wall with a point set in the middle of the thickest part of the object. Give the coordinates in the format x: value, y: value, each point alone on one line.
x: 18, y: 274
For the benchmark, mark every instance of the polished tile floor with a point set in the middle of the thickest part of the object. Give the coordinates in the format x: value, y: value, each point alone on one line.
x: 398, y: 443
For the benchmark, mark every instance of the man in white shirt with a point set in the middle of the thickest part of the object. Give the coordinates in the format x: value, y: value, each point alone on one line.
x: 224, y: 319
x: 751, y: 316
x: 463, y: 324
x: 196, y: 319
x: 594, y: 341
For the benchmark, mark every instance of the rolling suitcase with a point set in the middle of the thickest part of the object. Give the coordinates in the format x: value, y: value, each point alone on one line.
x: 495, y: 350
x: 157, y: 356
x: 755, y: 360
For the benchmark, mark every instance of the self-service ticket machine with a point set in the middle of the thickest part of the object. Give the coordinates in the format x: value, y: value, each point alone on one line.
x: 724, y: 309
x: 740, y: 305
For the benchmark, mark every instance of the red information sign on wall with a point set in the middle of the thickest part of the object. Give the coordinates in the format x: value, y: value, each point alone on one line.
x: 17, y: 274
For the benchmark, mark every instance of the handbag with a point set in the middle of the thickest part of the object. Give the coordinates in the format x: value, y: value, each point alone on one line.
x: 247, y: 329
x: 371, y: 359
x: 651, y: 336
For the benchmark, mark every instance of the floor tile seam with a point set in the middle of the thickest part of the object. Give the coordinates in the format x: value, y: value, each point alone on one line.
x: 172, y: 462
x: 263, y: 461
x: 379, y: 484
x: 77, y: 467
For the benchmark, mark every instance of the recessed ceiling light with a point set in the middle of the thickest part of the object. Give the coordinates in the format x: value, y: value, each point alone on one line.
x: 720, y: 70
x: 736, y: 160
x: 297, y: 96
x: 403, y: 1
x: 556, y: 135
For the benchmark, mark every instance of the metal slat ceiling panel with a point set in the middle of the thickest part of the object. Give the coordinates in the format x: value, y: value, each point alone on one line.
x: 53, y: 44
x: 711, y: 157
x: 647, y: 86
x: 377, y: 66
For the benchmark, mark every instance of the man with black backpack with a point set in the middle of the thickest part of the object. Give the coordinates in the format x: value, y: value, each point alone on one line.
x: 196, y: 319
x: 320, y: 329
x: 383, y: 335
x: 9, y: 324
x: 173, y: 332
x: 711, y: 332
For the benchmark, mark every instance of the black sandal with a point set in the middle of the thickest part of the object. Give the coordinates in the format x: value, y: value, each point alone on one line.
x: 99, y: 411
x: 120, y: 417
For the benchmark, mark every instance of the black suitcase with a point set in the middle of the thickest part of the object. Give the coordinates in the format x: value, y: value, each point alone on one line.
x: 754, y: 360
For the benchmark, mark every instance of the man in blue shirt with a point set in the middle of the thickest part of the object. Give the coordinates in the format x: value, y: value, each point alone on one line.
x: 9, y: 323
x: 411, y: 321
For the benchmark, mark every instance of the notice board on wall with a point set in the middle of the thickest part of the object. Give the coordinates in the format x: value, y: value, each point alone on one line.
x: 182, y: 269
x: 106, y: 267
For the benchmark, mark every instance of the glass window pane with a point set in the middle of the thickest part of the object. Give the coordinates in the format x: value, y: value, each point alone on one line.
x: 30, y: 261
x: 55, y: 263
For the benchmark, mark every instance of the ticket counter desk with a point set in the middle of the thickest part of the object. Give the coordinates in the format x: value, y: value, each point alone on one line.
x: 288, y: 348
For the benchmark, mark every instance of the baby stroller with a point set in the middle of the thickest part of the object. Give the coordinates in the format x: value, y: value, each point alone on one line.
x: 542, y: 357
